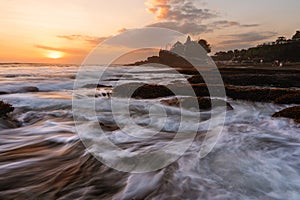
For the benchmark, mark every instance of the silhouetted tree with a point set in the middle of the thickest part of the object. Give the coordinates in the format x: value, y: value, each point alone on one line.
x: 296, y: 36
x: 280, y: 40
x: 205, y: 45
x: 282, y: 49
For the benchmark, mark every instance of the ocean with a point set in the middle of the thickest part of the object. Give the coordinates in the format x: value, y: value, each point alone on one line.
x: 256, y: 156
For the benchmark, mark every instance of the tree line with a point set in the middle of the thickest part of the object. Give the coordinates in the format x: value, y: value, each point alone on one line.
x: 284, y: 50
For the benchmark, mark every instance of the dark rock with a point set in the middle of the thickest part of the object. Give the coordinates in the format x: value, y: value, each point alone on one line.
x: 147, y: 91
x: 171, y: 102
x: 282, y: 81
x: 5, y: 108
x: 26, y: 89
x: 250, y: 77
x: 101, y: 86
x: 9, y: 123
x: 196, y: 79
x: 153, y: 59
x: 257, y: 94
x: 143, y: 91
x: 29, y: 89
x: 288, y: 99
x: 199, y: 90
x: 172, y: 59
x: 188, y: 71
x: 96, y: 86
x: 189, y: 90
x: 291, y: 113
x: 109, y: 126
x: 204, y: 90
x: 150, y: 91
x: 243, y: 93
x: 202, y: 103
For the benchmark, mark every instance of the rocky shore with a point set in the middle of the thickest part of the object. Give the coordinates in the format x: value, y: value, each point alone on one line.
x: 252, y: 83
x: 256, y: 84
x: 291, y: 113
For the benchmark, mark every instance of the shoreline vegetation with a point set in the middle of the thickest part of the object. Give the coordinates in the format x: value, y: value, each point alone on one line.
x: 278, y: 53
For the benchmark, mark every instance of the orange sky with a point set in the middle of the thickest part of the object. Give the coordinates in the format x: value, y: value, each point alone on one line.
x: 66, y: 31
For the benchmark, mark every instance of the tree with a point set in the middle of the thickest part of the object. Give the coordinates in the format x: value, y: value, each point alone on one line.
x: 205, y: 45
x: 236, y: 52
x: 280, y: 40
x: 296, y: 36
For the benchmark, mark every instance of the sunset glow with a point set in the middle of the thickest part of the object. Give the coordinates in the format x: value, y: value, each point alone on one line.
x: 77, y: 27
x: 55, y: 55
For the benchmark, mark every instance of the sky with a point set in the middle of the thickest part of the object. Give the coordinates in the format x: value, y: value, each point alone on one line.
x: 55, y: 31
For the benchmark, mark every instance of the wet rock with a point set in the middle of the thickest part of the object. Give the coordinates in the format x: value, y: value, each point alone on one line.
x: 101, y: 86
x: 143, y: 91
x: 148, y: 91
x: 202, y: 103
x: 257, y: 94
x: 291, y: 113
x: 109, y: 126
x: 196, y: 79
x: 151, y: 91
x: 288, y: 99
x: 29, y: 89
x: 5, y: 108
x: 281, y: 81
x: 188, y: 71
x: 6, y: 121
x: 199, y: 90
x: 242, y: 78
x: 96, y: 86
x: 26, y: 89
x: 171, y: 102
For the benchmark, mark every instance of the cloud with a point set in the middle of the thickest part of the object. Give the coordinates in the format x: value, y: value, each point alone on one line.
x: 195, y: 28
x: 178, y: 10
x: 86, y: 38
x: 122, y: 30
x: 184, y: 27
x: 133, y: 56
x: 147, y: 37
x: 69, y: 50
x: 180, y: 15
x: 248, y: 37
x: 225, y: 23
x: 249, y: 25
x: 186, y: 17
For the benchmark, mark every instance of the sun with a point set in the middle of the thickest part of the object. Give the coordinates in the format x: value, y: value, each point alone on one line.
x: 55, y: 54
